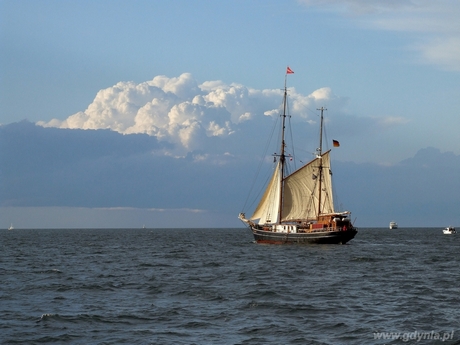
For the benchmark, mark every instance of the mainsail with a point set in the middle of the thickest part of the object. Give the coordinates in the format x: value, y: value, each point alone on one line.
x: 301, y: 192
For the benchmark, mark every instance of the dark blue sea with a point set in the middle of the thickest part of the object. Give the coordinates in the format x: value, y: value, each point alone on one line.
x: 215, y: 286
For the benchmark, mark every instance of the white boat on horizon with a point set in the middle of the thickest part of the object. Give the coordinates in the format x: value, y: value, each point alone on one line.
x: 449, y: 230
x: 11, y: 227
x: 393, y: 225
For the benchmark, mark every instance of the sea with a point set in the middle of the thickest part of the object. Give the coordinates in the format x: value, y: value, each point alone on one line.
x: 216, y: 286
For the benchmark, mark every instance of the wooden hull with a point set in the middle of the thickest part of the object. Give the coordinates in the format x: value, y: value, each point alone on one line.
x: 320, y: 237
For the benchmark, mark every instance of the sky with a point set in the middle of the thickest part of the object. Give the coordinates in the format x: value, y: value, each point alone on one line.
x: 199, y: 82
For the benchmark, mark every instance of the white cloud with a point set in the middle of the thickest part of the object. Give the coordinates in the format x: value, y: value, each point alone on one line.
x: 181, y: 112
x: 392, y: 121
x: 434, y: 24
x: 444, y: 51
x: 361, y: 6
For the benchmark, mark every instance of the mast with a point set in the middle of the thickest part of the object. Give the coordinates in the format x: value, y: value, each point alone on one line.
x: 282, y: 157
x: 320, y: 149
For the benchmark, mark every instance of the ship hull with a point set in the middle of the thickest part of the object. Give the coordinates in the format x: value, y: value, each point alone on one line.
x: 322, y: 237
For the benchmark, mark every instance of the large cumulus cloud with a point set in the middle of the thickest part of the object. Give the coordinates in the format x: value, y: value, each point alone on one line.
x: 180, y: 111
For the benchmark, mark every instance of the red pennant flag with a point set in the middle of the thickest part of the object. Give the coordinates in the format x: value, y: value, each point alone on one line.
x: 335, y: 143
x: 289, y: 70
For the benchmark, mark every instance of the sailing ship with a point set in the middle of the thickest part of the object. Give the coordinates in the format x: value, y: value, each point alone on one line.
x: 11, y: 227
x: 298, y: 207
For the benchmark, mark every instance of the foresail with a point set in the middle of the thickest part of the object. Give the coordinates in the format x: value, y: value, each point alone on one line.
x: 301, y: 191
x: 267, y: 210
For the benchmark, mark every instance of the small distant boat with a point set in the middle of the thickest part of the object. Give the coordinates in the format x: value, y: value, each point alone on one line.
x: 11, y: 227
x: 449, y: 230
x: 393, y: 225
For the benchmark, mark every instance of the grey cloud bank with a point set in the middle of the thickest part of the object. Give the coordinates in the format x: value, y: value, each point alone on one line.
x: 89, y: 178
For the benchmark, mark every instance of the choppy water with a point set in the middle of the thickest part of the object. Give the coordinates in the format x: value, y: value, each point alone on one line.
x: 206, y: 286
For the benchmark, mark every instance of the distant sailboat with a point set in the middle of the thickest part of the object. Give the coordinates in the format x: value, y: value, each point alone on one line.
x: 11, y: 227
x: 298, y: 207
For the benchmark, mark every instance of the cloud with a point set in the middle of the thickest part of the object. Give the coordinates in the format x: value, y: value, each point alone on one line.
x: 189, y: 116
x: 416, y: 191
x: 100, y: 178
x: 444, y: 51
x: 434, y: 25
x: 103, y: 168
x: 219, y: 123
x: 392, y: 121
x: 361, y: 6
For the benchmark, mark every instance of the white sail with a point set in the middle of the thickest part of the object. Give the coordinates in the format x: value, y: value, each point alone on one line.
x: 268, y: 208
x: 301, y: 191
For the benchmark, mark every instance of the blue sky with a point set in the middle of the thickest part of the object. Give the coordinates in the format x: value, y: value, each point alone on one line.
x: 387, y: 71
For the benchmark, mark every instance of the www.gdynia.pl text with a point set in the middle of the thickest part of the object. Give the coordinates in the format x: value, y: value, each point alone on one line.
x: 416, y: 335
